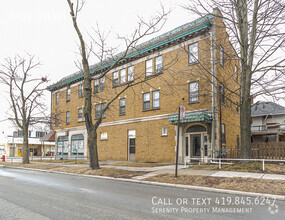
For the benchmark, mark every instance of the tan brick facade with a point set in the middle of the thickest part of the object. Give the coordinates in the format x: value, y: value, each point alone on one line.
x: 173, y: 86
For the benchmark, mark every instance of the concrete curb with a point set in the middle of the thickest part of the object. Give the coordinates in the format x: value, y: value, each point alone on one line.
x: 200, y: 188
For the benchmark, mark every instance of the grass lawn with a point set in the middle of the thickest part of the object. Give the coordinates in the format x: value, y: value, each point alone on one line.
x: 275, y: 187
x: 117, y: 173
x: 139, y: 164
x: 254, y: 167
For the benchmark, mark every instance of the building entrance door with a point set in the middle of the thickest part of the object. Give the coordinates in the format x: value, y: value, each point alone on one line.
x: 196, y: 145
x: 132, y: 145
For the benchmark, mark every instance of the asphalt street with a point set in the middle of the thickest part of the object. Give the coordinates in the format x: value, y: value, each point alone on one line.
x: 37, y: 195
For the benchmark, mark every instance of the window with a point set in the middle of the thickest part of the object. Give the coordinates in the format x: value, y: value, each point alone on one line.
x: 80, y: 91
x: 67, y: 117
x: 238, y: 142
x: 236, y: 73
x: 97, y: 111
x: 57, y: 98
x: 130, y: 73
x: 103, y: 136
x: 115, y: 79
x: 164, y: 131
x: 194, y: 92
x: 80, y: 113
x: 158, y: 65
x: 40, y: 134
x: 122, y: 106
x: 68, y: 94
x: 221, y: 56
x: 193, y: 53
x: 56, y: 119
x: 148, y: 67
x: 237, y: 110
x: 96, y: 85
x: 146, y: 101
x: 223, y: 133
x: 155, y: 99
x: 103, y: 107
x: 222, y: 94
x: 102, y: 83
x: 122, y: 76
x: 77, y: 144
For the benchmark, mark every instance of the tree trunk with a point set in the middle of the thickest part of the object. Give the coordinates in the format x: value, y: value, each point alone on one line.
x: 92, y: 146
x: 245, y: 123
x: 25, y: 145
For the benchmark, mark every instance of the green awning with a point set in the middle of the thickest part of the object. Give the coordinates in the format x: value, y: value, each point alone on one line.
x: 62, y: 138
x: 77, y: 137
x: 191, y: 117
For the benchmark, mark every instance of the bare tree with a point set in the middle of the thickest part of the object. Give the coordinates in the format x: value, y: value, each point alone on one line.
x: 256, y: 31
x: 106, y: 56
x: 25, y: 91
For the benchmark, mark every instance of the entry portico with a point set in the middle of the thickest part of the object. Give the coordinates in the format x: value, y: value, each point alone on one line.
x: 195, y: 135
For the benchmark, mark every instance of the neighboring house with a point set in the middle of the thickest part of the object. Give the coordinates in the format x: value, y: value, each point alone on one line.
x: 188, y: 66
x: 268, y: 122
x: 37, y: 146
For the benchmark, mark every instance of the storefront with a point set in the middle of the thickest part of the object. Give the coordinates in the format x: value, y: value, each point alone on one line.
x: 77, y: 144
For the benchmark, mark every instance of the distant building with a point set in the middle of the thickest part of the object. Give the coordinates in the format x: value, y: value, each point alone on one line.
x: 193, y: 65
x: 13, y: 144
x: 268, y: 122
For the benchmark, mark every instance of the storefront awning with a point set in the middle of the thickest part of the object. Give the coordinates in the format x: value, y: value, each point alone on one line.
x: 191, y: 117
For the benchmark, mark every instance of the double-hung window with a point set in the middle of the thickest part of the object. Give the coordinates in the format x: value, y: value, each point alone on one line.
x: 221, y: 55
x: 155, y: 99
x: 130, y: 73
x: 115, y: 79
x: 158, y: 65
x: 122, y: 76
x: 96, y: 85
x: 56, y: 120
x: 80, y: 113
x: 57, y: 98
x: 122, y: 106
x: 148, y: 67
x: 103, y: 106
x: 80, y: 91
x: 146, y: 101
x: 193, y: 53
x: 222, y: 94
x: 68, y: 94
x: 236, y: 73
x: 194, y: 92
x: 223, y: 133
x: 102, y: 83
x: 68, y: 117
x: 97, y: 111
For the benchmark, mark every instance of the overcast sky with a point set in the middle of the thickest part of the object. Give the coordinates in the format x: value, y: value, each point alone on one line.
x: 44, y: 29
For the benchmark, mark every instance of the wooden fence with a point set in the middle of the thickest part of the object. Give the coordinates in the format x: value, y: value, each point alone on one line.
x: 269, y: 150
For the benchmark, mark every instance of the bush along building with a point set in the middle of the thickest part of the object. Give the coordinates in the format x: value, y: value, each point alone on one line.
x: 193, y: 65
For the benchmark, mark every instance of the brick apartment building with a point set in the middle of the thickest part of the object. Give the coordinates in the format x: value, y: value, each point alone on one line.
x: 193, y: 65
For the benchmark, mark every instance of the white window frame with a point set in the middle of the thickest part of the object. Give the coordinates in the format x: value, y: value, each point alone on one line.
x: 221, y: 55
x: 164, y: 131
x: 68, y: 117
x: 158, y: 65
x: 193, y: 55
x: 194, y: 94
x: 68, y: 94
x: 80, y: 91
x: 96, y: 85
x: 102, y: 84
x: 97, y: 112
x: 103, y: 106
x: 130, y: 73
x: 146, y: 101
x: 80, y: 112
x: 155, y: 99
x: 122, y: 76
x: 103, y: 136
x: 148, y: 68
x: 122, y: 106
x: 57, y: 98
x: 115, y: 79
